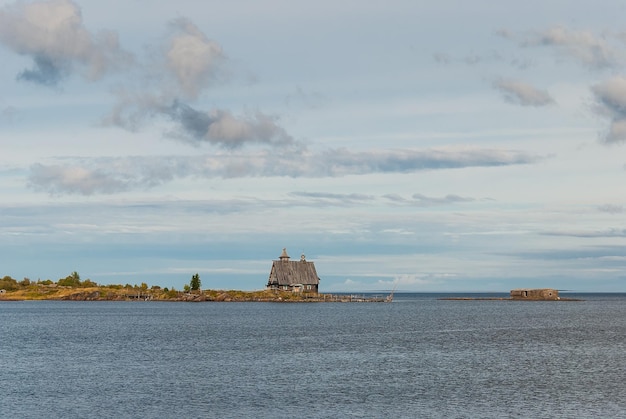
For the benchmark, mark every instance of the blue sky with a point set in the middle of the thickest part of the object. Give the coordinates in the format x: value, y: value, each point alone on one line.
x: 439, y: 146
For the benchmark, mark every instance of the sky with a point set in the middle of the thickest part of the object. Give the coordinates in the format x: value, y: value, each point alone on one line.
x: 429, y: 146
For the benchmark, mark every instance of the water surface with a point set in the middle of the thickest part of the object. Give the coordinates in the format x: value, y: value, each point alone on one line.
x: 416, y: 357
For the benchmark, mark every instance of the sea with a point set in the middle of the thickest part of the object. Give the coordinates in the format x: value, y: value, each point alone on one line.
x: 417, y: 357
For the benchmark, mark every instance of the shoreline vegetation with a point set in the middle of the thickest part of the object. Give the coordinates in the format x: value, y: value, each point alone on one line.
x: 105, y: 293
x: 72, y: 288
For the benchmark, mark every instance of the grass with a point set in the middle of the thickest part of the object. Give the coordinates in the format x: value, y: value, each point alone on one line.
x: 106, y: 293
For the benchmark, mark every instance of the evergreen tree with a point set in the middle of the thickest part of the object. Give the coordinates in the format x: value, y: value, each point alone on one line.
x: 195, y: 282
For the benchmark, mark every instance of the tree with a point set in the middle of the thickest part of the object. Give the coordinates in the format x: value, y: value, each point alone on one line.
x: 72, y: 280
x: 8, y: 283
x: 195, y: 282
x: 88, y: 283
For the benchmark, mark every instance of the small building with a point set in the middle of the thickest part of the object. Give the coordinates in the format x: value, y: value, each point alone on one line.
x: 295, y: 276
x: 535, y: 294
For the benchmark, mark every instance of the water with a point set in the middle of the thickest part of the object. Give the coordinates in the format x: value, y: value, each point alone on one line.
x: 417, y: 357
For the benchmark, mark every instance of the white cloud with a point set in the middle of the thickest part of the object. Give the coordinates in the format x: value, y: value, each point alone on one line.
x: 611, y: 102
x: 520, y: 93
x: 53, y: 35
x: 111, y: 175
x: 192, y: 58
x: 584, y: 46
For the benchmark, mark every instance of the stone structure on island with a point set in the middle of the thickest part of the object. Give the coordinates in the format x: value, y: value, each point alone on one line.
x: 535, y: 294
x: 295, y: 276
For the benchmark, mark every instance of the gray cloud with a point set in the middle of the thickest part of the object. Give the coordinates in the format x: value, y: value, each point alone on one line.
x: 217, y: 126
x: 222, y: 128
x: 44, y: 71
x: 421, y: 200
x: 339, y: 162
x: 53, y: 35
x: 521, y: 93
x: 448, y: 199
x: 607, y: 255
x: 611, y: 209
x: 333, y: 198
x: 610, y: 96
x: 113, y: 175
x: 584, y: 46
x: 613, y: 232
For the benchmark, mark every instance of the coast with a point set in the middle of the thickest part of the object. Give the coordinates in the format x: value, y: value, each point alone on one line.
x: 104, y: 293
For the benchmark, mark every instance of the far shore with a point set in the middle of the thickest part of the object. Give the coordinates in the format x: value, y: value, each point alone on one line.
x: 105, y: 293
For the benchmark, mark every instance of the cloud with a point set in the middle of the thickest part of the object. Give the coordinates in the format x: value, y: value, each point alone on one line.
x: 112, y: 175
x: 583, y: 46
x: 53, y: 35
x: 613, y: 232
x: 333, y: 198
x: 450, y: 198
x: 192, y: 58
x: 189, y: 64
x: 216, y: 126
x: 57, y: 179
x: 610, y: 96
x: 471, y: 59
x: 427, y: 201
x: 221, y: 127
x: 521, y: 93
x: 611, y: 209
x: 413, y: 279
x: 105, y: 175
x: 603, y: 254
x: 338, y: 162
x: 442, y: 58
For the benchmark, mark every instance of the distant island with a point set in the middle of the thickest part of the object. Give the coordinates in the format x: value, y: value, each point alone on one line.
x: 521, y: 294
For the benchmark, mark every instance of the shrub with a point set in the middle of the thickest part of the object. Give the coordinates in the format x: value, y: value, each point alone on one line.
x: 8, y: 283
x: 72, y: 280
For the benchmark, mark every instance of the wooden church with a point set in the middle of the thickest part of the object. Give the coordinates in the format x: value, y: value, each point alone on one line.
x: 295, y: 276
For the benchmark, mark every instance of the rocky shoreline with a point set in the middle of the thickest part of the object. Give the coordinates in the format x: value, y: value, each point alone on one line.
x: 106, y: 294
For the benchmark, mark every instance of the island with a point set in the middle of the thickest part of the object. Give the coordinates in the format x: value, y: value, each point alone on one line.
x: 72, y: 288
x: 522, y: 294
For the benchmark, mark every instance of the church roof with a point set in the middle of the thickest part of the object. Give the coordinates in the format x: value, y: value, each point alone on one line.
x: 286, y: 272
